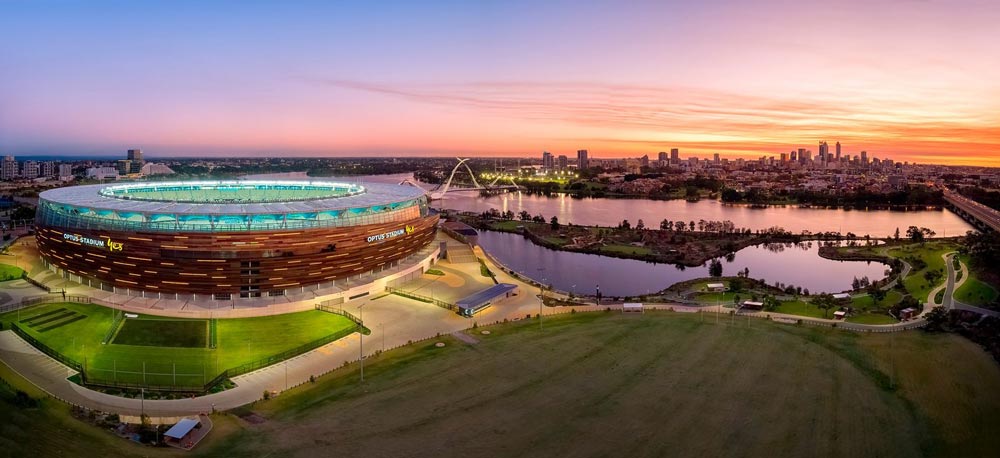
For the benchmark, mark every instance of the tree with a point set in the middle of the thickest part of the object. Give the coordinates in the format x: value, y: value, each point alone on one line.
x: 691, y: 225
x: 824, y: 302
x: 876, y: 293
x: 715, y: 268
x: 771, y: 303
x: 625, y: 225
x: 679, y: 226
x: 640, y: 225
x: 524, y: 215
x: 555, y: 223
x: 896, y: 235
x: 919, y: 234
x: 666, y: 225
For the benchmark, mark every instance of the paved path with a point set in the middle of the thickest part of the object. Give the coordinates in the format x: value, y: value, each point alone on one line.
x: 953, y: 286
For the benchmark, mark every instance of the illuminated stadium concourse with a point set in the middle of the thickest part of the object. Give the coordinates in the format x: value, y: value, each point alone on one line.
x: 230, y: 239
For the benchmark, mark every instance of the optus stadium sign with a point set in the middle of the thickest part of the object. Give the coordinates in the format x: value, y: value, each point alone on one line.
x: 390, y: 234
x: 103, y: 242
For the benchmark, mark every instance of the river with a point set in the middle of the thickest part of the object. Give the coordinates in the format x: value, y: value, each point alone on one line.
x: 610, y: 212
x: 794, y: 264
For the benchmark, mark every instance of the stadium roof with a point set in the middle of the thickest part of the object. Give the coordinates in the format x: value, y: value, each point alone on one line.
x: 349, y: 196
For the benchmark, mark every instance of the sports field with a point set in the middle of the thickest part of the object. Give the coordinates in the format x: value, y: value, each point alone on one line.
x: 660, y: 384
x: 162, y: 351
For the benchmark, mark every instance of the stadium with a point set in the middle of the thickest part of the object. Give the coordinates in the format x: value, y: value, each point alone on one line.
x: 231, y: 240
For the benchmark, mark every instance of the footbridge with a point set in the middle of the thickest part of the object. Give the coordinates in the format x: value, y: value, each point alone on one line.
x: 439, y: 191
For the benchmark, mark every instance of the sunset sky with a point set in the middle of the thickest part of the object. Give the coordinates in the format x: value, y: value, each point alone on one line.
x: 907, y: 79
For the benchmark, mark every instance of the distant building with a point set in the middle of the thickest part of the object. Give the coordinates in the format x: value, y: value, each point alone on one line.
x: 864, y: 157
x: 30, y: 170
x: 65, y: 171
x: 838, y: 151
x: 124, y: 166
x: 8, y: 170
x: 663, y: 157
x: 48, y: 169
x: 644, y: 160
x: 563, y: 162
x: 152, y: 168
x: 715, y: 158
x: 675, y: 156
x: 547, y: 162
x: 135, y: 155
x: 582, y: 161
x: 102, y: 173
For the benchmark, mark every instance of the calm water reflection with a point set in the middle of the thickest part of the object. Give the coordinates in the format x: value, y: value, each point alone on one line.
x: 610, y: 212
x: 798, y: 265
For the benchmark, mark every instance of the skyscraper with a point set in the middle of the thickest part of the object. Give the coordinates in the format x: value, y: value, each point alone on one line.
x: 582, y: 162
x: 838, y: 151
x: 563, y: 162
x: 663, y: 157
x: 864, y: 157
x: 715, y: 158
x: 675, y: 156
x: 135, y: 155
x: 547, y: 162
x: 824, y: 151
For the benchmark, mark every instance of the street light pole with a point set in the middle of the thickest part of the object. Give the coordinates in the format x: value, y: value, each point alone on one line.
x: 361, y: 341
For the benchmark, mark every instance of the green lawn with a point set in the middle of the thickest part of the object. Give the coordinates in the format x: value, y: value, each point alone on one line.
x: 9, y: 272
x: 661, y: 384
x: 626, y: 249
x: 802, y: 308
x: 931, y: 253
x: 507, y: 225
x: 867, y: 302
x: 975, y: 292
x: 240, y: 341
x: 725, y: 298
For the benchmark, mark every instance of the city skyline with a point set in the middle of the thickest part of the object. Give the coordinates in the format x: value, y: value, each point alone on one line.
x: 914, y: 81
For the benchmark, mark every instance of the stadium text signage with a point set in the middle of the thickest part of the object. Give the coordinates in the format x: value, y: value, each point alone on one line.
x: 103, y: 242
x: 390, y: 234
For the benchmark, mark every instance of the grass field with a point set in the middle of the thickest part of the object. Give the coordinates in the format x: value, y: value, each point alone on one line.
x: 975, y: 292
x: 661, y: 384
x: 240, y: 341
x: 9, y: 272
x: 867, y: 302
x: 871, y: 318
x: 802, y: 308
x: 626, y: 249
x: 159, y: 332
x: 931, y: 253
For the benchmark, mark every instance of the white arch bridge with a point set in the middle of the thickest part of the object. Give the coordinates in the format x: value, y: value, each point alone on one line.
x: 440, y: 190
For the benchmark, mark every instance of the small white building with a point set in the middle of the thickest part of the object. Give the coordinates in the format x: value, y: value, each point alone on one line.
x: 752, y: 305
x: 632, y: 307
x: 840, y: 296
x: 716, y: 287
x: 839, y: 315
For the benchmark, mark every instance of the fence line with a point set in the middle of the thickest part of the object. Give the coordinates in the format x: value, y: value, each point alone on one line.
x: 421, y: 297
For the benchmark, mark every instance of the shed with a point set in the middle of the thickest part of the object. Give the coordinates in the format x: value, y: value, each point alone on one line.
x: 752, y: 305
x: 181, y: 430
x: 632, y: 307
x: 479, y: 301
x: 907, y: 313
x: 839, y: 315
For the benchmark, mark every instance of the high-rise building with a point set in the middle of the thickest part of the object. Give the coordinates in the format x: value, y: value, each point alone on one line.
x: 784, y: 157
x: 563, y: 162
x: 644, y: 160
x: 864, y: 157
x: 65, y: 171
x: 715, y: 158
x: 663, y: 157
x: 795, y: 156
x: 838, y: 151
x: 824, y: 151
x: 135, y: 155
x: 675, y: 156
x: 48, y: 169
x: 30, y: 170
x: 8, y: 170
x: 582, y: 162
x: 548, y: 163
